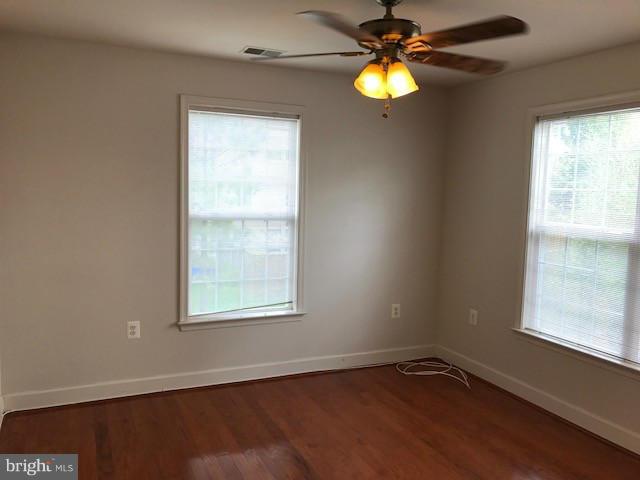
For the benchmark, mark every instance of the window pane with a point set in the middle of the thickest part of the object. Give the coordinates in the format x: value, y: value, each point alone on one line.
x: 242, y: 211
x: 582, y: 266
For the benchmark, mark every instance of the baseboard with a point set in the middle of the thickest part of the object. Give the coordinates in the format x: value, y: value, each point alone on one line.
x: 105, y: 390
x: 600, y: 426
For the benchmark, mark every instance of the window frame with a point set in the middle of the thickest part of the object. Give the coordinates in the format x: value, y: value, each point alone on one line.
x: 570, y: 108
x: 217, y: 320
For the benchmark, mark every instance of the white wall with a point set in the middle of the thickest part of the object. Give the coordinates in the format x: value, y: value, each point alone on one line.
x: 89, y: 194
x: 483, y: 240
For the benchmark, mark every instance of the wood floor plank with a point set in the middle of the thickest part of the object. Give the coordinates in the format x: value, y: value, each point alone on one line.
x: 362, y: 423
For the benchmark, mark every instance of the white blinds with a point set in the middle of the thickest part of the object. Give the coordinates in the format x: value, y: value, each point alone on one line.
x: 583, y: 262
x: 243, y: 192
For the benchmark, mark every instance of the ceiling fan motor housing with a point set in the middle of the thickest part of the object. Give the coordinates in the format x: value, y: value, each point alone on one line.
x: 391, y: 30
x: 388, y: 3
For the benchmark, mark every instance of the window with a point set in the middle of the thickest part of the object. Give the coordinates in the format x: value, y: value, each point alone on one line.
x: 240, y: 177
x: 583, y: 259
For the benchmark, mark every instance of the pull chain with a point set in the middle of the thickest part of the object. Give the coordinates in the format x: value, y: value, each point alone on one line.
x: 387, y: 108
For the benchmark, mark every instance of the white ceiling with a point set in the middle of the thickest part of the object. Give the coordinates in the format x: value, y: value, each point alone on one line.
x: 220, y: 28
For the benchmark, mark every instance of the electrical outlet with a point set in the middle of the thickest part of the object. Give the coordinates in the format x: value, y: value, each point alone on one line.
x: 133, y: 329
x: 395, y: 310
x: 473, y: 317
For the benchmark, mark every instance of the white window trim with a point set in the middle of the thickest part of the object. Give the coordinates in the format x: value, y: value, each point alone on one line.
x: 221, y: 320
x: 584, y: 354
x: 588, y: 355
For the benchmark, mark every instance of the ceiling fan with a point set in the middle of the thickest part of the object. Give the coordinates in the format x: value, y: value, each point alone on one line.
x: 390, y: 38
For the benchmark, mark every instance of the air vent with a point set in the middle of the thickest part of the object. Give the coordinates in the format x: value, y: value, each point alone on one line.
x: 261, y: 52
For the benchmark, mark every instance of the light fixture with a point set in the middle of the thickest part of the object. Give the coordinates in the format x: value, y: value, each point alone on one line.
x: 372, y: 81
x: 385, y: 77
x: 399, y: 79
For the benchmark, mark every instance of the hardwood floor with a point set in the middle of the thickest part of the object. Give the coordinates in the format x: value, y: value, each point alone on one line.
x: 367, y: 423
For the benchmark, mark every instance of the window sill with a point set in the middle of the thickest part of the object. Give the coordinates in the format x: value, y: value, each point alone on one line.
x: 239, y: 320
x: 603, y: 360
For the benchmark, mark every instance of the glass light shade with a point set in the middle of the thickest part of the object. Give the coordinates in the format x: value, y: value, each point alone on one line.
x: 372, y: 81
x: 399, y: 80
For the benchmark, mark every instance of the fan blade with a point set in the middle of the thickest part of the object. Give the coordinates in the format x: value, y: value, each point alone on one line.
x: 465, y: 63
x: 492, y: 28
x: 338, y: 23
x: 284, y: 57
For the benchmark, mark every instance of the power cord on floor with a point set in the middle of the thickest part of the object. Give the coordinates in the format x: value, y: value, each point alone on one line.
x: 441, y: 368
x: 418, y: 368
